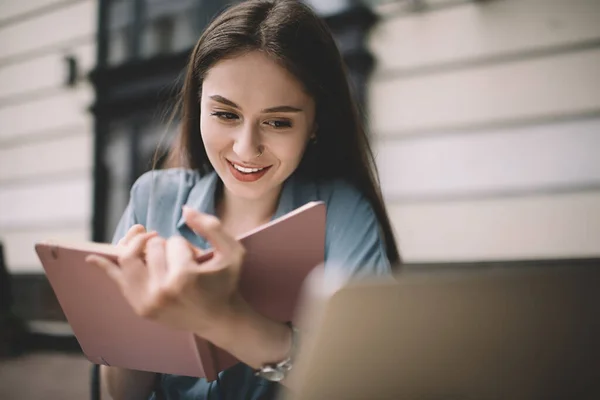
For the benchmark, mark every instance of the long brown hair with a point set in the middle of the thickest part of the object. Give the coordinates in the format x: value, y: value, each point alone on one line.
x: 295, y: 37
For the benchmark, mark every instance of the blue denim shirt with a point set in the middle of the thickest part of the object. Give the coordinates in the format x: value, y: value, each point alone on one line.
x: 353, y: 241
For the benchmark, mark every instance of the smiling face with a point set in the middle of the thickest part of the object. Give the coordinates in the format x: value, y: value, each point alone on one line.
x: 255, y: 120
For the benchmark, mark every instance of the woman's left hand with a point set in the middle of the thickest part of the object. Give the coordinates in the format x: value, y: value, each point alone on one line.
x: 168, y: 285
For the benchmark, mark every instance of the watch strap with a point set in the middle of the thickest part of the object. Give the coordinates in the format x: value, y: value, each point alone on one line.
x: 276, y: 372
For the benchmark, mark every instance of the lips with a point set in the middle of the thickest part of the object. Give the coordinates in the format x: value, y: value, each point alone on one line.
x: 247, y: 174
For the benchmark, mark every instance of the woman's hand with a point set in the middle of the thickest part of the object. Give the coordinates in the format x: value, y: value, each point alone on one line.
x: 162, y: 280
x: 121, y: 383
x: 134, y: 231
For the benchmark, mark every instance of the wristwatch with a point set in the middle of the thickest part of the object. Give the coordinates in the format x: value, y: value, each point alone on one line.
x: 277, y: 372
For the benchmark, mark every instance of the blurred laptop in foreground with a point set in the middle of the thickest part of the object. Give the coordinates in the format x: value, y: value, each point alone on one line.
x: 501, y: 332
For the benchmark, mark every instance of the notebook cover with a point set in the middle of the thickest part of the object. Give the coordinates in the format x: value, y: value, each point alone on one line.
x: 99, y: 315
x: 298, y: 251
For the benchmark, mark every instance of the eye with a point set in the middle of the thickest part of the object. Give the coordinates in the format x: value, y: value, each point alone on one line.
x: 279, y: 124
x: 224, y: 115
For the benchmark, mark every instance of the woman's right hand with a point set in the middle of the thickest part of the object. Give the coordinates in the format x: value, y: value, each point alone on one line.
x: 134, y: 231
x: 121, y: 383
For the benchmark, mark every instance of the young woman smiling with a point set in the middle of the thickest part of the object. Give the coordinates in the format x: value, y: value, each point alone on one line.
x: 268, y: 124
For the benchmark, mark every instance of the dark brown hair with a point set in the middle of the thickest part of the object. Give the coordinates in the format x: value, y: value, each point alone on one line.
x: 295, y: 37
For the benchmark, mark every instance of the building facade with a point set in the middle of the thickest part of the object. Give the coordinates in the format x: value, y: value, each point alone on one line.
x: 487, y: 121
x: 47, y: 49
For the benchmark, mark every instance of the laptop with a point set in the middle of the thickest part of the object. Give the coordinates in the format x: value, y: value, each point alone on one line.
x: 462, y: 331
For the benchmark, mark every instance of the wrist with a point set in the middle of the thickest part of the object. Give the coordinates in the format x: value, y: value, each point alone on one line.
x: 250, y: 336
x: 221, y: 329
x: 278, y: 371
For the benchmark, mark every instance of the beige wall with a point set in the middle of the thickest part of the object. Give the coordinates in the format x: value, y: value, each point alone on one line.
x: 487, y: 126
x: 46, y: 132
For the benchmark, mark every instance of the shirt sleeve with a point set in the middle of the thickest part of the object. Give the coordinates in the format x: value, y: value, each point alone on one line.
x: 129, y: 216
x: 354, y: 241
x: 125, y: 223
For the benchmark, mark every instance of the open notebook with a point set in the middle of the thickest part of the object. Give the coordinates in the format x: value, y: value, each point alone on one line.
x: 279, y: 256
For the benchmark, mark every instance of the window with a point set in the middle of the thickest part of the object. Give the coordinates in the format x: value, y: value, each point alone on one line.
x: 131, y: 147
x: 169, y: 26
x: 141, y: 29
x: 120, y: 26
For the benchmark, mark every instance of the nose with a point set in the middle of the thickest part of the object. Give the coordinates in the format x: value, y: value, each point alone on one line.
x: 247, y: 143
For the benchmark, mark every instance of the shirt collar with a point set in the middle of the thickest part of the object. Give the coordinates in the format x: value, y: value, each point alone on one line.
x: 295, y: 193
x: 201, y: 198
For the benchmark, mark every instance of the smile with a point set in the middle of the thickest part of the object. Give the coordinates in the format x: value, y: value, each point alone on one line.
x: 246, y: 170
x: 247, y: 174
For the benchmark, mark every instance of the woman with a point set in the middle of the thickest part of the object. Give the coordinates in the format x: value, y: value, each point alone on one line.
x: 268, y: 124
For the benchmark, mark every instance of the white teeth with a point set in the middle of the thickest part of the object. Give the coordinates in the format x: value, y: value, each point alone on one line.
x: 246, y: 170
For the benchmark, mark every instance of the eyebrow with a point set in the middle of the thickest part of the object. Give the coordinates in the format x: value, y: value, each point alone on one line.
x: 288, y: 109
x: 227, y: 102
x: 223, y: 100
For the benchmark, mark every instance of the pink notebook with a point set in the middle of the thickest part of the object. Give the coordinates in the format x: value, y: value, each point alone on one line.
x: 279, y: 256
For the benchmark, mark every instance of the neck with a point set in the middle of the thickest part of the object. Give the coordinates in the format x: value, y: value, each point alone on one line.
x: 239, y: 215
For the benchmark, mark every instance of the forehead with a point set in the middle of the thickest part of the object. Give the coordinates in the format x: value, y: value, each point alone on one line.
x: 253, y: 80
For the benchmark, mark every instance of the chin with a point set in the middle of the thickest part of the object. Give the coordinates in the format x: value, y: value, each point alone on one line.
x: 243, y: 191
x: 248, y: 190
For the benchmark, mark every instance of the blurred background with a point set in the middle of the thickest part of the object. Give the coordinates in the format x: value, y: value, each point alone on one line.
x: 485, y: 118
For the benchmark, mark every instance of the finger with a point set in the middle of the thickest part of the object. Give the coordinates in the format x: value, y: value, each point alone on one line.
x: 179, y: 254
x: 199, y: 254
x: 156, y: 258
x: 135, y: 230
x: 134, y: 251
x: 182, y: 255
x: 111, y: 269
x: 210, y: 228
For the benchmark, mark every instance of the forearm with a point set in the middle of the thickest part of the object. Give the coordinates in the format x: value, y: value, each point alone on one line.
x: 126, y: 384
x: 251, y: 337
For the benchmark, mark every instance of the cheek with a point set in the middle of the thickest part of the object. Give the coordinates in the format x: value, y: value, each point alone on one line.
x: 213, y: 135
x: 290, y: 149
